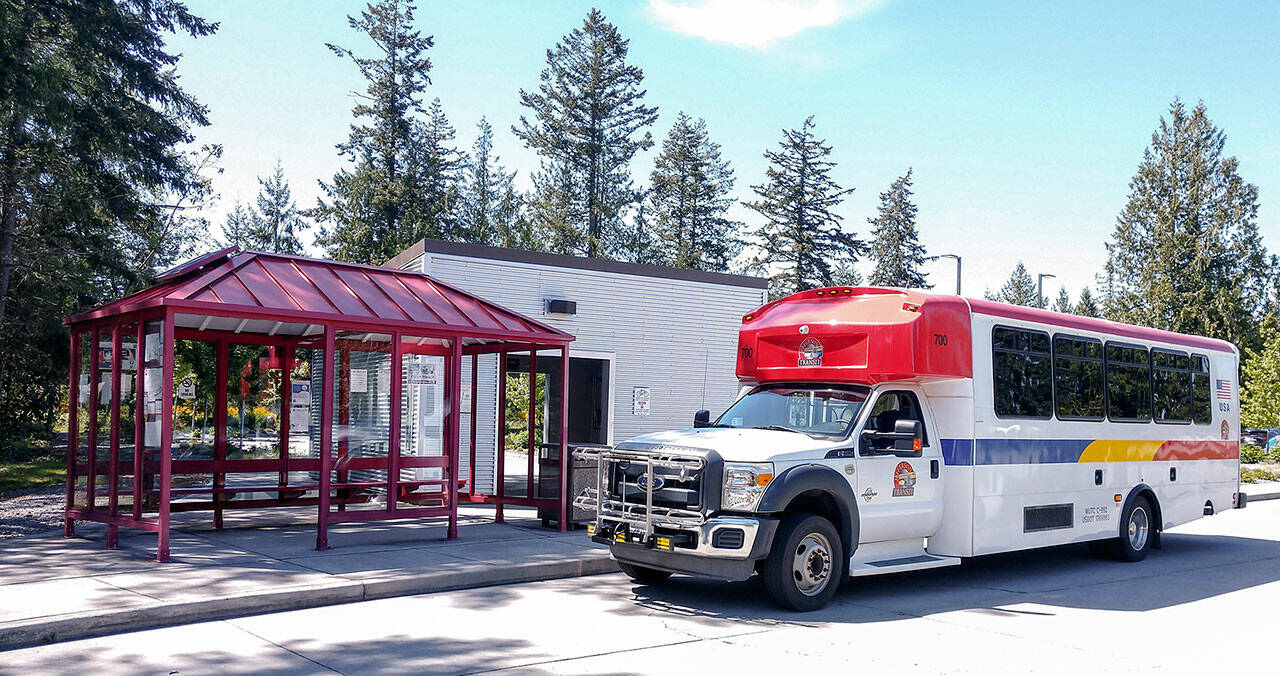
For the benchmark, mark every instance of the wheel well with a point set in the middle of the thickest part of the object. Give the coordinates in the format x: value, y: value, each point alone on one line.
x: 1155, y: 507
x: 822, y: 504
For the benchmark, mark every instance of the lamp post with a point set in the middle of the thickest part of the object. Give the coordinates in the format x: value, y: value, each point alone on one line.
x: 957, y: 268
x: 1040, y: 288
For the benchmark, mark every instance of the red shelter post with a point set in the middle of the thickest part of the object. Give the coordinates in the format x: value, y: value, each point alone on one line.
x: 73, y: 431
x: 166, y: 435
x: 113, y: 455
x: 564, y: 438
x: 326, y: 438
x: 455, y: 432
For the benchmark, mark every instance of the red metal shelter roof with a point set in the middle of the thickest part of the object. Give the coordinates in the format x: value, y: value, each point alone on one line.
x: 300, y: 290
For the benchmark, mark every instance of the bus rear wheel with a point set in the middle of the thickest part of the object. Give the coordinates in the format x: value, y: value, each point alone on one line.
x: 1137, y: 529
x: 805, y: 563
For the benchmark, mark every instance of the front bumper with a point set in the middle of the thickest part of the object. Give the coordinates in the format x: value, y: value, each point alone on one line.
x: 724, y: 547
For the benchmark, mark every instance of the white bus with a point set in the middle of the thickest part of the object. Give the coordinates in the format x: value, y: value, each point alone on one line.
x: 882, y: 430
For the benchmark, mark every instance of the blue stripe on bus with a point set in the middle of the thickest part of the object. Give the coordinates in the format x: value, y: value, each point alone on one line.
x: 1012, y: 451
x: 957, y: 451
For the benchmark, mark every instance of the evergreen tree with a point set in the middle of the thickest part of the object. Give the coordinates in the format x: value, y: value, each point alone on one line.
x: 589, y: 120
x: 555, y: 210
x: 637, y: 243
x: 896, y: 247
x: 487, y: 217
x: 690, y: 198
x: 1087, y: 306
x: 802, y: 242
x: 96, y: 191
x: 238, y: 228
x: 1186, y: 255
x: 364, y: 216
x: 515, y: 230
x: 434, y: 171
x: 1063, y: 303
x: 277, y: 222
x: 1019, y: 290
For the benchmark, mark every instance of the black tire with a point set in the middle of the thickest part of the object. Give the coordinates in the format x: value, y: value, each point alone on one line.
x: 644, y: 574
x: 1137, y: 530
x: 805, y: 564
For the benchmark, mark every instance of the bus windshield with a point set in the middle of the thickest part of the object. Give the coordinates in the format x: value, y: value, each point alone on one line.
x: 821, y: 410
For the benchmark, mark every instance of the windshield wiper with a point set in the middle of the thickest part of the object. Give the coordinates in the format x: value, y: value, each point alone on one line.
x: 780, y: 428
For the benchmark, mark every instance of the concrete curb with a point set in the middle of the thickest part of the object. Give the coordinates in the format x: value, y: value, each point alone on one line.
x: 1266, y: 494
x: 43, y: 631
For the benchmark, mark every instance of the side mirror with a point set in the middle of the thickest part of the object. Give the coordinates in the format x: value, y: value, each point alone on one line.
x: 908, y: 436
x: 702, y: 418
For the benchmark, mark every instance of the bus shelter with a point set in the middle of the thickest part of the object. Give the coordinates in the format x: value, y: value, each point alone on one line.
x: 244, y: 379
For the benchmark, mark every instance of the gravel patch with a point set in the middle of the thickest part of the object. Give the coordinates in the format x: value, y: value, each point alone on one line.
x: 32, y: 512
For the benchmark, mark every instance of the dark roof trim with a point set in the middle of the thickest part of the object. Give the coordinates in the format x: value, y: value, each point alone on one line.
x: 496, y: 253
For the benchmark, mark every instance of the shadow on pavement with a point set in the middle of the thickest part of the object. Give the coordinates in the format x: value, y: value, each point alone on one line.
x: 1189, y: 568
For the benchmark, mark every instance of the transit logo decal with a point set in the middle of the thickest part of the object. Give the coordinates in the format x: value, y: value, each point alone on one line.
x: 904, y: 480
x: 1226, y: 431
x: 810, y: 352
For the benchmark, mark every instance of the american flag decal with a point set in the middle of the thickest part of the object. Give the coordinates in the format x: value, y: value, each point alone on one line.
x: 1224, y: 389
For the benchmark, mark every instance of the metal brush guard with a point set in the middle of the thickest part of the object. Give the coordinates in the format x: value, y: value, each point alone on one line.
x: 678, y: 466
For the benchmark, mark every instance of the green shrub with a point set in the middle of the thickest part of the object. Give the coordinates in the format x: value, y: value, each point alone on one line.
x: 1249, y: 475
x: 1251, y: 454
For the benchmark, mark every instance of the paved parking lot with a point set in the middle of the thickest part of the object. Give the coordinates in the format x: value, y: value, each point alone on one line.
x: 1209, y: 602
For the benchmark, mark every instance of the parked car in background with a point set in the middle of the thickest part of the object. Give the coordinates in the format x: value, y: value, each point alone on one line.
x: 1254, y: 437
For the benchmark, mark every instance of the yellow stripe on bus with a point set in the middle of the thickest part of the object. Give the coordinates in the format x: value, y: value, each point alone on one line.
x: 1119, y: 450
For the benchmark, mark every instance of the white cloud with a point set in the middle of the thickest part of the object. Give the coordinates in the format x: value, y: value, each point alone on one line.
x: 753, y: 23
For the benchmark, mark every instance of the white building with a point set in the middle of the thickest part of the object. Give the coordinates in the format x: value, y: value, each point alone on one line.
x: 654, y: 344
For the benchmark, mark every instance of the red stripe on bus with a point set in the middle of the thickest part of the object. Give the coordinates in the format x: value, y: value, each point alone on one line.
x: 1198, y: 450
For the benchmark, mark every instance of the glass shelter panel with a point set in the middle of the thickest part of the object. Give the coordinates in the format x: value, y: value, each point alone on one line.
x: 422, y: 418
x: 361, y: 406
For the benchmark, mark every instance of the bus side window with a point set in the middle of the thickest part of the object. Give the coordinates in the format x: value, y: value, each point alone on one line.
x: 1022, y: 373
x: 1128, y: 383
x: 1201, y: 405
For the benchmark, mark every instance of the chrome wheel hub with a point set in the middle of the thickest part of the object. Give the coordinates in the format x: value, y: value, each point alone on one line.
x: 811, y: 566
x: 1139, y: 527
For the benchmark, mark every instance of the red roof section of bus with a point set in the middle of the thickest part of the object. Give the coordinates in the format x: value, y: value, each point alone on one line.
x: 871, y: 334
x: 857, y: 335
x: 286, y: 288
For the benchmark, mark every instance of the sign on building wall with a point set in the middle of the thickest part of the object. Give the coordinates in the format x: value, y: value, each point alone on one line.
x: 641, y: 397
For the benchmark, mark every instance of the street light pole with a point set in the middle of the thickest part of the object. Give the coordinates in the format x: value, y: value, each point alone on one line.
x: 957, y: 268
x: 1040, y: 288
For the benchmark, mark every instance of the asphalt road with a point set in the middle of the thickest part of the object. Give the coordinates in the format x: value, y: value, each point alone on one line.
x: 1209, y: 602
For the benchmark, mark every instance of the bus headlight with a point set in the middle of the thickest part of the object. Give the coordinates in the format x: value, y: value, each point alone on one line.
x: 745, y: 484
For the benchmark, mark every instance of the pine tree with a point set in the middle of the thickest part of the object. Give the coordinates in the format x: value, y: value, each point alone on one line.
x: 555, y: 211
x: 896, y: 247
x: 1019, y: 290
x: 434, y: 170
x: 1087, y: 306
x: 802, y: 242
x: 486, y: 216
x: 277, y: 222
x: 236, y: 231
x: 364, y: 217
x: 690, y: 200
x: 637, y: 242
x: 589, y: 122
x: 1186, y: 255
x: 515, y: 230
x: 1063, y: 303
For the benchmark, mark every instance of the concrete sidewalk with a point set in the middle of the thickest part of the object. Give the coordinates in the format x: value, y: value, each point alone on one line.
x: 56, y: 589
x: 1262, y: 490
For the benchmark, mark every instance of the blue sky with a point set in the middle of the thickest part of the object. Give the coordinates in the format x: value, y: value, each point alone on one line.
x: 1023, y: 121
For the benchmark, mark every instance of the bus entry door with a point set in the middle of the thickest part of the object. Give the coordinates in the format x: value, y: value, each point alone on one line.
x: 899, y: 490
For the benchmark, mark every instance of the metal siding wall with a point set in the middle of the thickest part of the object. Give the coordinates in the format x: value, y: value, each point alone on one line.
x: 677, y: 337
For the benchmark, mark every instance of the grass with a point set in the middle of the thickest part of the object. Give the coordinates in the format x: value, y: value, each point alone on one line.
x: 20, y: 476
x: 32, y: 463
